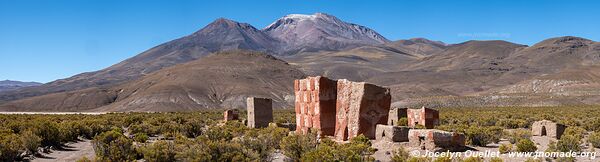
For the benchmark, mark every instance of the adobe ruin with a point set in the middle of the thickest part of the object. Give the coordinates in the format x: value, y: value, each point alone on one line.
x: 231, y: 114
x: 391, y: 133
x: 436, y: 140
x: 360, y: 107
x: 315, y: 104
x: 424, y: 116
x: 260, y: 112
x: 547, y: 128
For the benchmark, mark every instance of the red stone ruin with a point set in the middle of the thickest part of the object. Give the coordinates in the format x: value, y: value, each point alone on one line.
x: 424, y: 116
x: 343, y: 108
x: 360, y: 107
x: 315, y: 104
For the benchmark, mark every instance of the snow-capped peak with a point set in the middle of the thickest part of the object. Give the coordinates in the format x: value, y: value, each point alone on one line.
x: 300, y: 16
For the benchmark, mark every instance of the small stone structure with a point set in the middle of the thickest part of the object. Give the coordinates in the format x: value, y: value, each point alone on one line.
x: 260, y: 112
x: 360, y: 107
x: 391, y: 133
x: 436, y: 140
x: 231, y: 114
x: 395, y: 114
x: 423, y: 116
x: 315, y: 104
x: 547, y: 128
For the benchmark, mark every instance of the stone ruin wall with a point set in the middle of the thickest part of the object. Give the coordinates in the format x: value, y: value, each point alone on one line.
x: 315, y: 104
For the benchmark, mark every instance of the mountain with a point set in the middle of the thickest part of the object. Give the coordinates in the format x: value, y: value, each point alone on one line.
x: 320, y: 32
x: 221, y: 80
x: 556, y: 71
x: 7, y: 85
x: 418, y: 46
x: 317, y: 32
x: 362, y: 63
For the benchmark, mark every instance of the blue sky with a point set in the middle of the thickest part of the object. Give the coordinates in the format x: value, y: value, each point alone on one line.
x: 45, y: 40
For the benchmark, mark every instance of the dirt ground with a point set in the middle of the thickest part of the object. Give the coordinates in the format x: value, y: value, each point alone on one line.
x: 72, y: 151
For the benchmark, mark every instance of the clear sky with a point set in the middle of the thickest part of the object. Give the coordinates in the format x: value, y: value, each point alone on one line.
x: 45, y: 40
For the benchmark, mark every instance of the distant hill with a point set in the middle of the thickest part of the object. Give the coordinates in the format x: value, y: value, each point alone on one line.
x: 7, y: 85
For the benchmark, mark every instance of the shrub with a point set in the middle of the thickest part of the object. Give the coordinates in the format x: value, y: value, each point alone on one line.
x: 30, y: 141
x: 193, y: 128
x: 113, y: 146
x: 402, y: 122
x: 84, y: 159
x: 159, y: 151
x: 418, y: 159
x: 568, y: 143
x: 10, y: 144
x: 482, y: 136
x: 400, y: 155
x: 216, y: 133
x: 445, y: 158
x: 140, y: 137
x: 419, y: 126
x: 358, y: 149
x: 69, y: 131
x: 473, y: 159
x: 594, y: 139
x: 496, y: 159
x: 533, y: 160
x: 576, y: 132
x: 518, y: 134
x: 526, y: 145
x: 505, y: 148
x: 48, y: 131
x: 296, y: 145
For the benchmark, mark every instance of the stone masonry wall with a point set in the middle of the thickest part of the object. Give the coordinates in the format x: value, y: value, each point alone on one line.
x: 260, y: 112
x: 436, y: 140
x: 423, y: 116
x: 231, y: 114
x: 360, y: 107
x: 547, y: 128
x: 392, y: 133
x: 315, y: 104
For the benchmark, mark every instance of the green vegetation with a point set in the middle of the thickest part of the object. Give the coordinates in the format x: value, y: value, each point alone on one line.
x: 505, y: 148
x: 526, y: 145
x: 201, y: 136
x: 594, y: 139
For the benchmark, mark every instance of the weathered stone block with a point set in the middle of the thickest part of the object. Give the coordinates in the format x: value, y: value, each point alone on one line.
x: 315, y: 104
x: 436, y: 140
x: 231, y: 114
x: 360, y: 107
x: 392, y: 133
x: 260, y: 112
x: 547, y: 128
x: 424, y: 116
x: 395, y: 114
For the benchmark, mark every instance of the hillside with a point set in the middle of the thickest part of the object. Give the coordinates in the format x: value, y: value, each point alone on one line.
x: 222, y: 80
